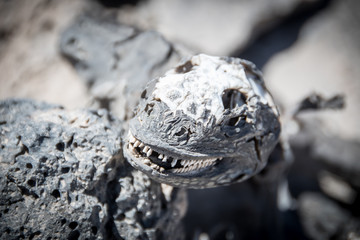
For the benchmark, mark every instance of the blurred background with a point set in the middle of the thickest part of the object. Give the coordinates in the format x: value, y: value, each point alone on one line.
x: 302, y: 47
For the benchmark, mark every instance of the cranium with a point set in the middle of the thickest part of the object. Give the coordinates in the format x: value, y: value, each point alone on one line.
x: 208, y: 122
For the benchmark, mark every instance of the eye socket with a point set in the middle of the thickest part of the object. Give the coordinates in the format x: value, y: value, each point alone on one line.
x: 234, y: 121
x: 232, y: 98
x: 149, y: 108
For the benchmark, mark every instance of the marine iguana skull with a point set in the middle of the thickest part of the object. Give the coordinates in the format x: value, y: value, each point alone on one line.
x: 208, y: 122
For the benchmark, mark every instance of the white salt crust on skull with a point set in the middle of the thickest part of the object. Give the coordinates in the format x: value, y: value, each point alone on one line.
x: 210, y: 121
x: 209, y: 77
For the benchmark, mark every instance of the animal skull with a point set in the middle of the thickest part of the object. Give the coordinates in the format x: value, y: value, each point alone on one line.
x: 208, y: 122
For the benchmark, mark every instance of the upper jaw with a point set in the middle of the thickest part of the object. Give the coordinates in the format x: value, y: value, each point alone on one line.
x: 165, y: 163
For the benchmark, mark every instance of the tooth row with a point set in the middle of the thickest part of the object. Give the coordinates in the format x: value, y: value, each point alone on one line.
x: 134, y: 143
x: 188, y: 165
x: 192, y: 165
x: 147, y: 161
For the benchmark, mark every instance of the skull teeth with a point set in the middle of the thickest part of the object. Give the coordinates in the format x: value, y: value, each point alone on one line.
x: 190, y: 165
x: 174, y: 162
x: 177, y: 165
x: 132, y: 139
x: 145, y: 149
x: 149, y: 152
x: 137, y: 143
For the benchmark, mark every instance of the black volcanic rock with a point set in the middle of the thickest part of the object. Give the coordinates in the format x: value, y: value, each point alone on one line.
x: 62, y: 175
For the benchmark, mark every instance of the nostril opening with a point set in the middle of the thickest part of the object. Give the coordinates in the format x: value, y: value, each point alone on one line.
x: 181, y: 132
x: 232, y: 98
x: 148, y: 108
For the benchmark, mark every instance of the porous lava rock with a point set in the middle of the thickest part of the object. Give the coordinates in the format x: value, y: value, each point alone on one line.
x: 62, y: 175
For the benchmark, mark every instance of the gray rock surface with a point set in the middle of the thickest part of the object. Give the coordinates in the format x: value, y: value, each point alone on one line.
x: 116, y: 61
x: 340, y: 156
x: 29, y: 40
x: 324, y: 59
x: 29, y: 35
x: 63, y: 175
x: 324, y: 219
x: 212, y: 27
